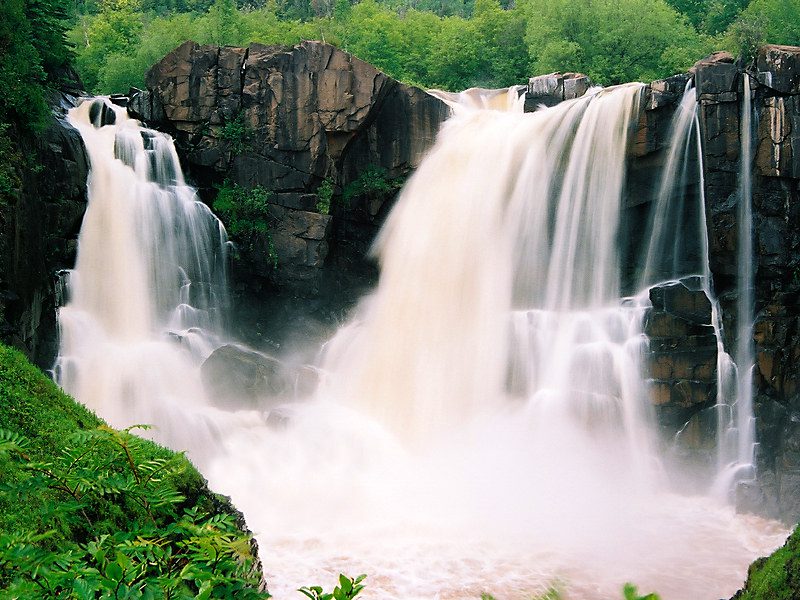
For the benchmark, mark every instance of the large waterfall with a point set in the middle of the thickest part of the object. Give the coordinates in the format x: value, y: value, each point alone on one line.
x: 483, y: 421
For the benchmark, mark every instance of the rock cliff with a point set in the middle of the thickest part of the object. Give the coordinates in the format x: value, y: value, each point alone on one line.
x: 38, y: 231
x: 292, y: 120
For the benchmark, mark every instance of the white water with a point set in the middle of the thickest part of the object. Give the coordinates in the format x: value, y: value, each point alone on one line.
x: 744, y: 421
x: 483, y: 423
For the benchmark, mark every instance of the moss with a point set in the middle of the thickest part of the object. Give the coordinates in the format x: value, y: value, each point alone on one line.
x: 776, y: 577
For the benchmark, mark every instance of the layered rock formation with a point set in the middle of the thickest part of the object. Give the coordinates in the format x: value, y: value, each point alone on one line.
x: 293, y: 121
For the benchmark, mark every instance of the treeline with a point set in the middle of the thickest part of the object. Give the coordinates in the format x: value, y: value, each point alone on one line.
x: 450, y: 44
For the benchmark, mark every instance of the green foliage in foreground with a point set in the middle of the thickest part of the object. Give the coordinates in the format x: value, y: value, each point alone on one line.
x: 775, y: 577
x: 87, y: 511
x: 630, y: 592
x: 348, y: 588
x: 554, y: 592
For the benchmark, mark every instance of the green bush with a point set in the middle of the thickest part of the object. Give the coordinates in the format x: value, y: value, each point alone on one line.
x: 246, y: 216
x: 373, y: 184
x: 167, y: 549
x: 348, y: 588
x: 86, y: 510
x: 324, y: 196
x: 236, y: 134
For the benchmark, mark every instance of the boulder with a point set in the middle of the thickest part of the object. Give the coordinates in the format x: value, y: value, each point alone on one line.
x: 715, y: 77
x: 549, y: 90
x: 241, y: 378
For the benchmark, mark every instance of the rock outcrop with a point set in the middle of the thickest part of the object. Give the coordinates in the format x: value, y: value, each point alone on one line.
x: 38, y: 231
x: 304, y: 123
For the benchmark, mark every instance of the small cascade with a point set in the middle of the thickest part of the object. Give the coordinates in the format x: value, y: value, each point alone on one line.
x: 148, y: 292
x: 736, y: 419
x: 676, y: 225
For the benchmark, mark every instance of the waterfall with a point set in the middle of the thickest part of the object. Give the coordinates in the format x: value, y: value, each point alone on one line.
x: 737, y: 425
x: 483, y: 423
x: 148, y: 291
x: 672, y: 250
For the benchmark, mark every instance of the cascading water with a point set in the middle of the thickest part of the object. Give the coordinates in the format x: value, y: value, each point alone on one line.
x: 743, y: 420
x: 149, y: 285
x: 483, y: 424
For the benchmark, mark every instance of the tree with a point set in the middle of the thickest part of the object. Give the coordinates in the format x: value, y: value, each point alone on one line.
x: 609, y: 40
x: 766, y: 22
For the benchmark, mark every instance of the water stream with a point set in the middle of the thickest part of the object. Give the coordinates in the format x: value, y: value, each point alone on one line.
x: 483, y: 423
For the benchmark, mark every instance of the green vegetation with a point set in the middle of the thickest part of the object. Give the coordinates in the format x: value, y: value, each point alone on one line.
x: 33, y: 55
x: 236, y: 134
x: 445, y: 44
x: 373, y: 184
x: 245, y: 214
x: 348, y: 588
x: 630, y: 592
x: 554, y: 592
x: 324, y: 196
x: 776, y: 577
x: 87, y: 511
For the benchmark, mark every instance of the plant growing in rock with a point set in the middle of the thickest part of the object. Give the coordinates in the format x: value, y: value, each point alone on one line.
x: 246, y: 216
x: 324, y: 196
x: 373, y: 184
x: 236, y: 134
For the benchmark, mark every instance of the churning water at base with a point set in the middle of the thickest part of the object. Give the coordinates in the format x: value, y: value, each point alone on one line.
x: 482, y: 423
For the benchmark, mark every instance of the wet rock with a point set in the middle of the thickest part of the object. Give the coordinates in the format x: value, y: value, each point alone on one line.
x: 682, y: 353
x: 715, y: 77
x: 779, y: 68
x: 778, y: 149
x: 242, y: 378
x: 38, y: 230
x: 666, y: 92
x: 549, y: 90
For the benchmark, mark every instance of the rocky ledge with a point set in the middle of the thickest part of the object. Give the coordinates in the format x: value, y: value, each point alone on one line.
x: 305, y: 123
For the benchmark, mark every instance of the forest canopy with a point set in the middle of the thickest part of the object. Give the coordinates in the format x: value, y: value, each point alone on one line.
x: 450, y: 44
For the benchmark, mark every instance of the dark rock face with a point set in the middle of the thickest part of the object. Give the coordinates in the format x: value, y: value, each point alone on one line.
x: 288, y: 119
x: 682, y: 352
x: 682, y: 357
x: 38, y: 233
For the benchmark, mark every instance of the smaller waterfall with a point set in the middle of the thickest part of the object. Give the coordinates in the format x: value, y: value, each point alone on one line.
x: 146, y: 297
x: 744, y: 349
x: 676, y: 225
x: 737, y: 423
